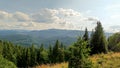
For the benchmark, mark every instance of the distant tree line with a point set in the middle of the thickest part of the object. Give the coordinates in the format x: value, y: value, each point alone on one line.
x: 76, y: 55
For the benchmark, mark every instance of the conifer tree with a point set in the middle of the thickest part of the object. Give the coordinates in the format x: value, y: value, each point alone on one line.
x: 80, y: 55
x: 1, y: 47
x: 50, y: 54
x: 61, y: 53
x: 42, y: 55
x: 56, y: 51
x: 85, y: 36
x: 39, y: 56
x: 19, y: 50
x: 27, y: 57
x: 98, y: 41
x: 33, y: 56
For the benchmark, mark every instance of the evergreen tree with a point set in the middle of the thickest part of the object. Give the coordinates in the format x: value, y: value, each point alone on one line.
x: 50, y: 54
x: 56, y: 52
x: 85, y: 36
x: 79, y: 59
x: 21, y: 61
x: 1, y: 47
x: 27, y: 57
x: 42, y: 55
x: 114, y: 42
x: 61, y: 53
x: 19, y: 50
x: 8, y: 52
x: 33, y: 56
x: 67, y: 54
x: 98, y: 41
x: 39, y: 57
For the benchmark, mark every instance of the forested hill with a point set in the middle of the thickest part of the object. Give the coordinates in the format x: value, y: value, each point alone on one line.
x: 26, y: 38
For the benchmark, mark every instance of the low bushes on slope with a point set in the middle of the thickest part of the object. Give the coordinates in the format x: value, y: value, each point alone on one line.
x: 6, y: 64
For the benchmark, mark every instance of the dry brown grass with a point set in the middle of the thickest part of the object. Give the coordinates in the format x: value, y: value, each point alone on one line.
x: 60, y: 65
x: 110, y: 60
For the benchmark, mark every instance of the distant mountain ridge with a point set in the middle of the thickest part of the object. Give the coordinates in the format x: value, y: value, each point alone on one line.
x: 37, y: 37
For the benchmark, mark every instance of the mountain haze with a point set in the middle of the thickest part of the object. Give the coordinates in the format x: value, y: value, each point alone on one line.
x: 37, y: 37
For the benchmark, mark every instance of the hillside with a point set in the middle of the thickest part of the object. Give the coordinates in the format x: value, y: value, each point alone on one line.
x: 110, y: 60
x: 37, y: 37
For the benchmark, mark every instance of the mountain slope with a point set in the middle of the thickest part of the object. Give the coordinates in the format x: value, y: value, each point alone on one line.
x: 26, y: 38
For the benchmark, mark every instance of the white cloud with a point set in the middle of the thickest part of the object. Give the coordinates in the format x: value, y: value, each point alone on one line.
x: 114, y: 28
x: 54, y: 15
x: 21, y: 17
x: 46, y: 19
x: 91, y: 19
x: 68, y: 12
x: 45, y: 16
x: 12, y: 17
x: 4, y: 15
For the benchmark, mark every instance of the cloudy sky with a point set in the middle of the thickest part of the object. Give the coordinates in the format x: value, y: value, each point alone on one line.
x: 59, y: 14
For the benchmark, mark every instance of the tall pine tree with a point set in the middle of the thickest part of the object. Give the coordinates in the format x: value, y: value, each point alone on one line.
x: 56, y: 51
x: 85, y: 36
x: 50, y: 54
x: 98, y: 41
x: 33, y: 56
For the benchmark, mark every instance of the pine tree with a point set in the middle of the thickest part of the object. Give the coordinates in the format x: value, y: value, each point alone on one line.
x: 27, y: 57
x: 79, y: 59
x: 1, y: 47
x: 50, y: 54
x: 19, y: 50
x: 56, y: 51
x: 8, y: 52
x: 61, y: 53
x: 39, y: 56
x: 85, y: 36
x: 23, y: 57
x: 42, y: 55
x: 98, y: 41
x: 33, y: 56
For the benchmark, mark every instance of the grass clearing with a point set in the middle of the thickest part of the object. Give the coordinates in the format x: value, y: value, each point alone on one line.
x: 110, y: 60
x: 58, y: 65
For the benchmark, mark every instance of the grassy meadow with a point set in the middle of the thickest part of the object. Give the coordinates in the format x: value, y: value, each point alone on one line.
x: 110, y: 60
x: 60, y: 65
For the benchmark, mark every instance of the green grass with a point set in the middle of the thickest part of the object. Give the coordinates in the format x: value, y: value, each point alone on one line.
x: 6, y: 64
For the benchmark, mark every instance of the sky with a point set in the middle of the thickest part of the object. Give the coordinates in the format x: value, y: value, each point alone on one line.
x: 59, y: 14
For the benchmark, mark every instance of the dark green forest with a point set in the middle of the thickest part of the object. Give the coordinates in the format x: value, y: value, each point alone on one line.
x: 76, y: 54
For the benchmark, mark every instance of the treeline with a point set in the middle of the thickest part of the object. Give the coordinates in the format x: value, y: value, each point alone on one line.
x: 32, y: 56
x: 77, y: 54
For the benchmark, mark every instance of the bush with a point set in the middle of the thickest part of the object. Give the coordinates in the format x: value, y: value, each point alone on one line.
x: 114, y: 42
x: 6, y: 64
x: 80, y: 55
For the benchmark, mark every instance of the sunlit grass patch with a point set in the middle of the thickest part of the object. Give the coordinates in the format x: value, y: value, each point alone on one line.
x: 110, y: 60
x: 58, y: 65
